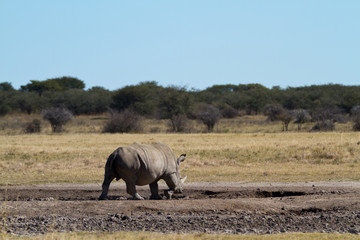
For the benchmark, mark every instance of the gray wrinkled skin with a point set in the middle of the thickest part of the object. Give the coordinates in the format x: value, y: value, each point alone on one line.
x: 141, y: 164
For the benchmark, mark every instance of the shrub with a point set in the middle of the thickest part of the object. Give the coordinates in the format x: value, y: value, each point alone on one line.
x: 229, y: 112
x: 286, y: 118
x: 326, y: 125
x: 208, y: 114
x: 301, y: 116
x: 57, y: 117
x: 273, y: 111
x: 33, y: 127
x: 334, y: 114
x: 277, y: 112
x: 179, y: 123
x: 4, y: 109
x: 123, y: 122
x: 355, y: 117
x: 356, y: 126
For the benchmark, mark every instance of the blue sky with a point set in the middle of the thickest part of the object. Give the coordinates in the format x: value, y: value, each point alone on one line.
x: 191, y: 43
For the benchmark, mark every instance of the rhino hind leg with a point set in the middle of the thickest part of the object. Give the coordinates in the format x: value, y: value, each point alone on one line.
x: 105, y: 188
x: 154, y: 188
x: 131, y: 189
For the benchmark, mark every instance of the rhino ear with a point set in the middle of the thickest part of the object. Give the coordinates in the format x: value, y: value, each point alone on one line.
x: 181, y: 158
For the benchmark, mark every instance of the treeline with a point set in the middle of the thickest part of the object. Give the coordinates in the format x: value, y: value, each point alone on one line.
x: 149, y: 99
x: 66, y: 92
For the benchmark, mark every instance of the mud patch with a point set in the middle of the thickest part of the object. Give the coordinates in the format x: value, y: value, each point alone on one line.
x: 267, y: 194
x: 249, y: 194
x: 234, y: 208
x: 91, y: 195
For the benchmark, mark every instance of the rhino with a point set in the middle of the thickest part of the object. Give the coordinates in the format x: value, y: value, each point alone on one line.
x: 142, y: 164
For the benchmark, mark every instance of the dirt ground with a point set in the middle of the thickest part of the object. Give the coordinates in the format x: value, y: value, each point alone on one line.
x: 261, y: 208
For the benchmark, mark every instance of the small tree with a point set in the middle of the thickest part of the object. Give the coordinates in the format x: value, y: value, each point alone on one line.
x: 273, y: 111
x: 54, y: 84
x: 58, y: 117
x: 301, y: 116
x: 355, y: 117
x: 277, y: 112
x: 6, y: 86
x: 179, y: 123
x: 123, y: 122
x: 174, y: 101
x: 286, y: 118
x: 208, y: 114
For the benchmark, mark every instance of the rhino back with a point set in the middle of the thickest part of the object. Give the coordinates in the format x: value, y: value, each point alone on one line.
x: 125, y: 163
x: 156, y: 157
x: 144, y: 163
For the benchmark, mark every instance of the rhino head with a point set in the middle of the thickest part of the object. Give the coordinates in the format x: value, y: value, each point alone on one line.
x: 180, y: 180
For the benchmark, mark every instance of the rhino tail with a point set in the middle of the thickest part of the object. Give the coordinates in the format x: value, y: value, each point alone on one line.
x: 110, y: 173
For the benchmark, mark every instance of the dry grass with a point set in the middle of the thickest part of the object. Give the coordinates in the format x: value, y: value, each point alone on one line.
x: 280, y: 157
x: 13, y: 124
x: 160, y: 236
x: 244, y: 149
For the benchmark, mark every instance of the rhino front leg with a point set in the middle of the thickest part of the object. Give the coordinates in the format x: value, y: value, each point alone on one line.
x: 154, y: 188
x: 171, y: 181
x: 131, y: 189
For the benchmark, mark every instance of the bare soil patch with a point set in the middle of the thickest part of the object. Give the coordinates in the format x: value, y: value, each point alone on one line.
x: 233, y: 208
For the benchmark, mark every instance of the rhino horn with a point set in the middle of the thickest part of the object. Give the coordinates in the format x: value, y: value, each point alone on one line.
x: 183, y: 179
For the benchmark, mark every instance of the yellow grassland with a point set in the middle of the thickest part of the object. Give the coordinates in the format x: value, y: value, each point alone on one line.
x: 246, y: 149
x: 248, y: 157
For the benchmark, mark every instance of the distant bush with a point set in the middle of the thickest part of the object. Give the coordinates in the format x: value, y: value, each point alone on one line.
x: 4, y: 109
x: 179, y: 123
x: 5, y: 100
x: 273, y: 111
x: 355, y: 117
x: 301, y: 116
x: 326, y: 125
x: 123, y: 122
x: 356, y: 126
x: 33, y: 126
x: 229, y: 112
x: 332, y: 113
x: 57, y: 117
x: 208, y: 114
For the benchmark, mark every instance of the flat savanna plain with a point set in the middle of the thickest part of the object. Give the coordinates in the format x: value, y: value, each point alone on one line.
x: 258, y: 157
x: 238, y: 183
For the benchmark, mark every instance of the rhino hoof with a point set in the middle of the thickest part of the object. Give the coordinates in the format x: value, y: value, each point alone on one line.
x: 156, y: 197
x: 138, y: 197
x: 168, y: 194
x: 134, y: 198
x: 103, y: 197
